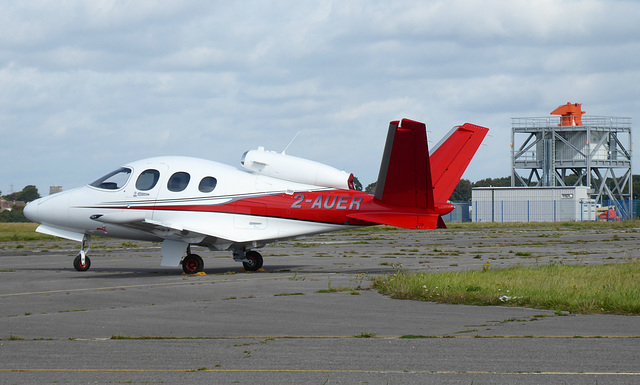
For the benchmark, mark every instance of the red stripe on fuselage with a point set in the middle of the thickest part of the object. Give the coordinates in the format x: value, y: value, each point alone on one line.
x: 323, y: 206
x: 329, y: 206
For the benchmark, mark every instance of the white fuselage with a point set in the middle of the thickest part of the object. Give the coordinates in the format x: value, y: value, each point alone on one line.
x: 178, y: 214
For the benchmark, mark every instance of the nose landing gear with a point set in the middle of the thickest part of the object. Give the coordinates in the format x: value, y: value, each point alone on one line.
x: 82, y: 262
x: 81, y: 265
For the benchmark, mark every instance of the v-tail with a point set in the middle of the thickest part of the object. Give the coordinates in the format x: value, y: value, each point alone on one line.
x: 413, y: 187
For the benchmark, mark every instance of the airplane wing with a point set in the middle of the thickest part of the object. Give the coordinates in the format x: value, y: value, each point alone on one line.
x: 160, y: 229
x: 222, y: 232
x: 176, y: 237
x: 221, y: 236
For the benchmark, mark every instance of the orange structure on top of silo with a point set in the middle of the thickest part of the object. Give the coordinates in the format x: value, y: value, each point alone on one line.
x: 571, y: 114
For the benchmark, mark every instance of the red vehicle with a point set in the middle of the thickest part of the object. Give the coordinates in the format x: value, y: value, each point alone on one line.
x: 609, y: 214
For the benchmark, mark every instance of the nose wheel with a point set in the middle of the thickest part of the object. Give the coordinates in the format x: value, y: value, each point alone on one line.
x: 80, y: 265
x: 82, y: 262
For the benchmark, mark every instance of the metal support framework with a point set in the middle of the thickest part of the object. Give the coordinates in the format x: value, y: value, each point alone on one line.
x: 596, y: 154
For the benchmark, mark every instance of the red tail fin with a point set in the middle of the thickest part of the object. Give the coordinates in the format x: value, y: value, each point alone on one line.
x: 450, y: 158
x: 405, y: 194
x: 405, y: 175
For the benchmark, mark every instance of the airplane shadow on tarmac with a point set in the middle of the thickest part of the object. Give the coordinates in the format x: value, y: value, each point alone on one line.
x: 144, y: 272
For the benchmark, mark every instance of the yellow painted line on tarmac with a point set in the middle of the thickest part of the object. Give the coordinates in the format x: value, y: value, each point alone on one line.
x: 525, y: 337
x: 356, y: 371
x: 378, y: 337
x: 310, y: 337
x: 138, y: 286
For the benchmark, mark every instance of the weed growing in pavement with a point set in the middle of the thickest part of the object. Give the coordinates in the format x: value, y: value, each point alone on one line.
x: 366, y: 334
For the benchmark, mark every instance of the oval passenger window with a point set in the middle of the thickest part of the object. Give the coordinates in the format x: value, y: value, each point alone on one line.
x: 178, y: 181
x: 147, y: 180
x: 207, y: 184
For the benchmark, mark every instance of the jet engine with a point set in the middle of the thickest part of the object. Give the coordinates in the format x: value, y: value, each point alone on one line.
x: 294, y: 169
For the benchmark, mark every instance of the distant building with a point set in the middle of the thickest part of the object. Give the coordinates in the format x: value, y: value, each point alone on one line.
x: 533, y: 204
x: 54, y: 189
x: 4, y: 205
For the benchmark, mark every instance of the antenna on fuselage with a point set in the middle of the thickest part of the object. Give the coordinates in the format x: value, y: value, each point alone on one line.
x: 294, y: 138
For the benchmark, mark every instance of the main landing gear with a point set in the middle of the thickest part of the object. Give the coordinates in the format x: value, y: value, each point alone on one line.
x: 251, y: 260
x: 254, y: 261
x: 192, y: 264
x: 82, y: 262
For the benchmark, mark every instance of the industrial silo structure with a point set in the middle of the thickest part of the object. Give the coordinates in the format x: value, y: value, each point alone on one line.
x: 569, y: 148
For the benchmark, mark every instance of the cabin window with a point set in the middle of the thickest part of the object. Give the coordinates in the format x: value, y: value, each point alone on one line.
x: 147, y: 180
x: 114, y: 180
x: 207, y: 184
x: 178, y: 181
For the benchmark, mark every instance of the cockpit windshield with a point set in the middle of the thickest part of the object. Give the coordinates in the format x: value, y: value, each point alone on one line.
x: 114, y: 180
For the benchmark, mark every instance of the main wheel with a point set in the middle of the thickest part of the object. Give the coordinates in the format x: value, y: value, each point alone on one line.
x: 78, y: 265
x: 255, y: 261
x: 192, y: 264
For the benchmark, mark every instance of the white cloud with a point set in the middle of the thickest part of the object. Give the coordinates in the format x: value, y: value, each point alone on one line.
x: 87, y: 86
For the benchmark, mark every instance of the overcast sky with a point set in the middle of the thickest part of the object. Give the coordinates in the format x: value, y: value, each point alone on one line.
x: 87, y: 86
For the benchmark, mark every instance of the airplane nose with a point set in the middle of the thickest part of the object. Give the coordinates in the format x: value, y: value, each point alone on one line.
x: 31, y: 211
x: 53, y: 209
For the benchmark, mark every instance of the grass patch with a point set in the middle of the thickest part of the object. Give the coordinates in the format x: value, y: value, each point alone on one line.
x: 20, y: 232
x: 306, y: 244
x: 339, y: 289
x: 366, y: 334
x: 600, y: 289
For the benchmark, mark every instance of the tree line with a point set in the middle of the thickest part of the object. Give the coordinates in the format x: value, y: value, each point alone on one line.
x: 462, y: 192
x: 28, y: 194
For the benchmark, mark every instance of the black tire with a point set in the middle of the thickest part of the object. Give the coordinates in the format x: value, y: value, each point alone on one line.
x: 77, y: 264
x: 255, y: 261
x: 192, y: 264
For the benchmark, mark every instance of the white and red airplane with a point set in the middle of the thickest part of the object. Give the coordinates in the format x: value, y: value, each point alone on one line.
x: 183, y: 201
